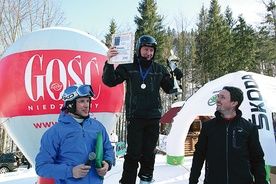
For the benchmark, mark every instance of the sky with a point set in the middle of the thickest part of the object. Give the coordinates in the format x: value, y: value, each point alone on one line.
x: 94, y: 16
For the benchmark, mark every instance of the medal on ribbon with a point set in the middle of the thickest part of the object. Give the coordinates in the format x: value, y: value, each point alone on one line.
x: 143, y: 76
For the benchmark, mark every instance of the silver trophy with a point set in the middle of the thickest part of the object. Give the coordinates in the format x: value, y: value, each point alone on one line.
x: 172, y: 60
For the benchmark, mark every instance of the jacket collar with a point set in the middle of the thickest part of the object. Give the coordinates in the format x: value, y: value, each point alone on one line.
x: 238, y: 112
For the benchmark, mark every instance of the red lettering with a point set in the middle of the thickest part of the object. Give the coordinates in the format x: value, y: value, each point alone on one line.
x: 44, y: 124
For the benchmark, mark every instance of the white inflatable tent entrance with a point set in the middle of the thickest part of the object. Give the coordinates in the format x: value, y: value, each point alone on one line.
x: 258, y: 105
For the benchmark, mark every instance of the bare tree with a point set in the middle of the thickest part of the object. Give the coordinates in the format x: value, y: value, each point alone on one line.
x: 19, y: 17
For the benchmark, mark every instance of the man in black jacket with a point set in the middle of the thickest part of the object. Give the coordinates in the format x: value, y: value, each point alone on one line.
x: 144, y: 78
x: 229, y: 145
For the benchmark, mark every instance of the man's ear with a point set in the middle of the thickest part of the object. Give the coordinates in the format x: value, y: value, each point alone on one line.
x: 235, y: 103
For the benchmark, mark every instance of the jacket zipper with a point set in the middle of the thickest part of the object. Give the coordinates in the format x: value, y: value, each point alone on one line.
x: 227, y: 154
x: 85, y: 146
x: 83, y: 133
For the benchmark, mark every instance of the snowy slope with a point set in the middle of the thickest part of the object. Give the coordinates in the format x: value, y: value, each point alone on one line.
x: 163, y: 173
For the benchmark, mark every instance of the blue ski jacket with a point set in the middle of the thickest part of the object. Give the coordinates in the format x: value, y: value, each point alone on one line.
x: 67, y: 144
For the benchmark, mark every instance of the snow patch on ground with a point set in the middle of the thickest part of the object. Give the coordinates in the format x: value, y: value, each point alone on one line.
x: 163, y: 173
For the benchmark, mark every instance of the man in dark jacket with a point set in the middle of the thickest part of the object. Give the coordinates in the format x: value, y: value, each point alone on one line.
x: 144, y: 78
x: 229, y: 145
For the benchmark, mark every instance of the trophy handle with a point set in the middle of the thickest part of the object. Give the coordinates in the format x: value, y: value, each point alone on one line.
x: 176, y: 89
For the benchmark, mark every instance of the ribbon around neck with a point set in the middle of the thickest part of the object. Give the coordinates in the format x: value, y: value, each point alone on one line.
x: 143, y: 76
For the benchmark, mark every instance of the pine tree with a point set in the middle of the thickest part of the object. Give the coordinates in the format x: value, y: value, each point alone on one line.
x: 267, y: 41
x: 230, y: 21
x: 112, y: 30
x: 201, y: 42
x: 150, y: 23
x: 244, y: 48
x: 217, y: 42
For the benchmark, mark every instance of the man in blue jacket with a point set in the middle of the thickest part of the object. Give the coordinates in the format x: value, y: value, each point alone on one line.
x: 65, y: 147
x: 144, y: 78
x: 229, y: 145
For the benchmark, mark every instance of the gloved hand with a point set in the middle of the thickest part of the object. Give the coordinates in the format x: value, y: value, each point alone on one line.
x: 178, y: 73
x: 172, y: 65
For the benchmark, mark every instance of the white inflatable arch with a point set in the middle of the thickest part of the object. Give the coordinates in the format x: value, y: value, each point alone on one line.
x: 259, y: 92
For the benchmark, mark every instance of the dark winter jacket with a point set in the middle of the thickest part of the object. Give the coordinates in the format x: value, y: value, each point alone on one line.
x: 231, y: 151
x: 141, y: 103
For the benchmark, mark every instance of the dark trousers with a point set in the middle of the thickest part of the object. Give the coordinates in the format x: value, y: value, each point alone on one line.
x: 142, y: 137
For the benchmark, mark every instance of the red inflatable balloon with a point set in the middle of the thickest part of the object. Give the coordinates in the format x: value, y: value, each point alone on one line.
x: 34, y: 72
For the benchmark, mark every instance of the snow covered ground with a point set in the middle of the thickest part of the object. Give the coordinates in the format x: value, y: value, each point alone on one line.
x: 163, y: 173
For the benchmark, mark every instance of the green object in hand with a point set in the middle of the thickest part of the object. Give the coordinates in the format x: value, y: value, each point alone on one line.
x: 99, y: 151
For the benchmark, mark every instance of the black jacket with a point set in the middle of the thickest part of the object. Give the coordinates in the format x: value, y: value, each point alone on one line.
x: 141, y: 103
x: 231, y: 151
